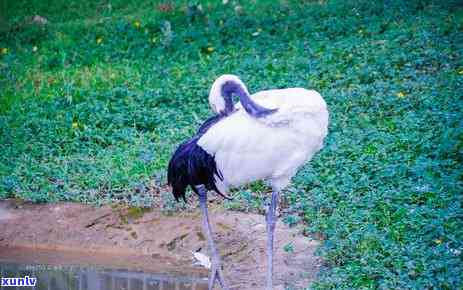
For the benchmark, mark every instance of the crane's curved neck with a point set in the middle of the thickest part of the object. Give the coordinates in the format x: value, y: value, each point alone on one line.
x: 221, y: 94
x: 221, y: 97
x: 227, y: 90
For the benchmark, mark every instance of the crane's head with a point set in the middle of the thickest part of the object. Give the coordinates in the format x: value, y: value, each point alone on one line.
x: 220, y: 95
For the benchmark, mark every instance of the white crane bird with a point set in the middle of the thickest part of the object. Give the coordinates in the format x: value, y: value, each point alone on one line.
x: 266, y: 136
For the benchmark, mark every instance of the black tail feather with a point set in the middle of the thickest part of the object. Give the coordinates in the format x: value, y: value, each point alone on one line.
x: 192, y: 166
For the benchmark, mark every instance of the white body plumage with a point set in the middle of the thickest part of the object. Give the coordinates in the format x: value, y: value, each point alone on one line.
x: 246, y: 148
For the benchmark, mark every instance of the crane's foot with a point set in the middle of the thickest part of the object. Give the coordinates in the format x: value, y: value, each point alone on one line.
x: 216, y: 274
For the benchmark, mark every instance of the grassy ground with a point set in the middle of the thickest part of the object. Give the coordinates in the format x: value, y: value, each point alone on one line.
x: 94, y: 102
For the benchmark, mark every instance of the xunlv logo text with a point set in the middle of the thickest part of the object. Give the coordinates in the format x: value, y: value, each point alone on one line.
x: 23, y: 281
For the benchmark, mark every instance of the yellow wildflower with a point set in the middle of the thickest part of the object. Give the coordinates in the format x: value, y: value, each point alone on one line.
x: 460, y: 72
x: 75, y: 125
x: 400, y: 94
x: 4, y: 50
x: 437, y: 241
x: 99, y: 39
x: 210, y: 49
x: 137, y: 24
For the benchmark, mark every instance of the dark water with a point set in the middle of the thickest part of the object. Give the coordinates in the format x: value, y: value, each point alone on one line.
x: 96, y: 278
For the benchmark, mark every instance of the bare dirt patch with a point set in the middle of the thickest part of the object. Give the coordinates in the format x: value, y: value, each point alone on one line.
x: 150, y: 241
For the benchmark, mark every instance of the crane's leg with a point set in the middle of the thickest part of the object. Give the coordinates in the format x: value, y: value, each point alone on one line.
x: 216, y: 267
x: 271, y: 222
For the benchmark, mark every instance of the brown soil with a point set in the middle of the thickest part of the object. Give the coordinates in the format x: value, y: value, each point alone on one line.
x: 75, y: 233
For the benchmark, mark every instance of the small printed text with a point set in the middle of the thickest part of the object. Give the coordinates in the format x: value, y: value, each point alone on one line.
x: 25, y: 281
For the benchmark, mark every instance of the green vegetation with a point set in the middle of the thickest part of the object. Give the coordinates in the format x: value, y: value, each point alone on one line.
x: 94, y: 102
